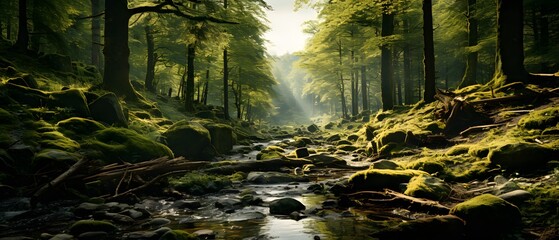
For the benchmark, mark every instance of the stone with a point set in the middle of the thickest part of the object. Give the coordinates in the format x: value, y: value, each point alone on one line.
x: 244, y: 216
x: 516, y: 197
x: 108, y: 109
x: 228, y: 203
x: 385, y: 164
x: 62, y: 236
x: 222, y: 137
x: 191, y: 140
x: 97, y: 235
x: 521, y: 156
x: 177, y: 235
x: 55, y: 158
x: 425, y: 186
x: 326, y: 160
x: 75, y: 126
x: 190, y: 204
x: 57, y: 62
x: 302, y: 152
x: 273, y: 178
x: 285, y: 206
x: 431, y: 228
x: 297, y: 215
x: 313, y: 128
x: 205, y: 234
x: 487, y: 216
x: 83, y: 226
x: 329, y: 125
x: 156, y: 223
x: 334, y: 138
x: 116, y: 217
x: 85, y: 209
x: 379, y: 179
x: 141, y: 235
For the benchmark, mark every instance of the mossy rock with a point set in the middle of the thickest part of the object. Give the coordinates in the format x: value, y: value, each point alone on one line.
x: 222, y: 136
x: 379, y: 179
x: 107, y: 109
x: 521, y: 156
x: 56, y: 140
x: 77, y: 127
x: 431, y: 228
x: 458, y: 150
x: 424, y: 186
x: 472, y: 171
x: 326, y: 159
x: 72, y: 99
x: 428, y: 164
x: 540, y: 119
x: 199, y: 183
x: 7, y: 118
x: 178, y: 235
x: 114, y: 144
x: 25, y: 95
x: 55, y: 159
x: 82, y: 226
x: 268, y: 155
x: 333, y: 138
x: 487, y: 216
x: 191, y: 140
x: 385, y: 164
x: 480, y: 150
x: 344, y: 142
x: 347, y: 147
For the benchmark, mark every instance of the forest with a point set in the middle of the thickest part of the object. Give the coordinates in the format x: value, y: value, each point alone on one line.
x: 170, y: 119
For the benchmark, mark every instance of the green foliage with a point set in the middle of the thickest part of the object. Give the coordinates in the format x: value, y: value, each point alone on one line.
x: 199, y: 183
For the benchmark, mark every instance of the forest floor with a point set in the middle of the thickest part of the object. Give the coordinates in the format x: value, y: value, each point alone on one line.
x: 428, y: 171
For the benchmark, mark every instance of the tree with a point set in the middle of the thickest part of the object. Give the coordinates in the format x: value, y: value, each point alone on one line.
x: 22, y: 42
x: 387, y: 71
x: 96, y: 33
x: 471, y: 64
x: 116, y: 50
x: 429, y: 52
x: 225, y: 78
x: 509, y: 62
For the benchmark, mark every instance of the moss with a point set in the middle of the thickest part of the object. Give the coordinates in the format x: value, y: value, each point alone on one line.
x: 238, y: 176
x: 379, y: 179
x: 56, y: 140
x: 270, y: 152
x: 347, y: 147
x: 73, y: 99
x: 191, y: 140
x: 75, y: 127
x: 7, y: 118
x: 82, y: 226
x: 199, y: 183
x: 424, y: 186
x: 178, y: 235
x: 428, y: 164
x: 476, y: 170
x: 540, y: 119
x: 458, y: 150
x: 521, y: 156
x: 114, y: 144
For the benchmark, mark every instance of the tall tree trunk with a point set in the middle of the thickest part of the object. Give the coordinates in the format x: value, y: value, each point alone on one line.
x: 387, y: 70
x: 189, y: 96
x: 96, y: 34
x: 364, y: 95
x: 116, y: 51
x: 544, y: 36
x: 341, y: 84
x: 22, y: 42
x: 206, y: 85
x: 354, y: 100
x: 509, y: 60
x: 408, y: 83
x: 38, y: 29
x: 397, y: 79
x: 429, y: 52
x: 225, y: 78
x: 470, y: 75
x: 9, y: 23
x: 239, y: 96
x: 151, y: 59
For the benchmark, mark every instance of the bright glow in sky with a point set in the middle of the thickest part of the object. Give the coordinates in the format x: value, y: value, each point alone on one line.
x: 286, y: 33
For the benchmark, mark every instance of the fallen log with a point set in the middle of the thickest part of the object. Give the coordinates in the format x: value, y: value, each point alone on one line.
x: 257, y: 165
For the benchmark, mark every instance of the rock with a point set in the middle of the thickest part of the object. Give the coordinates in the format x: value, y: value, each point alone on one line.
x: 228, y: 203
x: 432, y: 228
x: 177, y: 235
x: 348, y: 148
x: 62, y: 236
x: 206, y: 114
x: 162, y: 230
x: 190, y: 204
x: 330, y: 203
x: 326, y: 160
x: 516, y: 197
x: 506, y: 187
x: 85, y: 209
x: 30, y: 82
x: 75, y: 126
x: 521, y: 156
x: 191, y: 140
x: 334, y: 138
x: 244, y: 216
x: 156, y: 223
x: 425, y: 186
x: 82, y: 226
x: 313, y: 128
x: 71, y: 99
x: 141, y: 235
x: 136, y: 214
x: 385, y: 164
x: 302, y: 152
x: 297, y: 215
x: 222, y: 137
x: 487, y: 216
x: 114, y: 217
x: 379, y: 179
x: 25, y: 95
x: 273, y: 178
x: 285, y: 206
x: 97, y: 235
x: 17, y: 238
x: 205, y: 234
x: 57, y: 62
x: 329, y: 125
x: 108, y: 109
x: 55, y: 158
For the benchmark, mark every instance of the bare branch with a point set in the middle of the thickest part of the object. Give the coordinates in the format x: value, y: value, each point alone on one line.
x: 161, y: 8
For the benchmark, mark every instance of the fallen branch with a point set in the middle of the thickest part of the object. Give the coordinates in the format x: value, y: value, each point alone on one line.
x: 481, y: 127
x: 258, y: 165
x: 396, y: 199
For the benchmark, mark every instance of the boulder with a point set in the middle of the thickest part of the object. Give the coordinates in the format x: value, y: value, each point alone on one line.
x: 431, y: 228
x: 285, y: 206
x: 57, y: 62
x: 379, y: 179
x: 222, y: 136
x: 326, y: 159
x: 425, y: 186
x: 121, y: 144
x: 516, y: 197
x: 54, y: 158
x: 487, y: 217
x: 385, y: 164
x: 71, y: 99
x: 108, y: 109
x: 25, y: 81
x: 313, y: 128
x: 25, y: 95
x: 76, y: 127
x: 521, y: 156
x: 302, y: 152
x: 273, y: 178
x: 191, y: 140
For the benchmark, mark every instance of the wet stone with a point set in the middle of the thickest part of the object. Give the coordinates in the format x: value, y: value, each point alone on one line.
x: 99, y: 235
x: 115, y: 217
x: 205, y: 234
x: 62, y: 236
x: 162, y: 230
x: 228, y: 203
x: 190, y: 204
x: 86, y: 209
x: 516, y: 197
x: 285, y: 206
x: 141, y: 235
x: 330, y: 203
x: 156, y: 222
x: 135, y: 214
x: 297, y: 216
